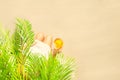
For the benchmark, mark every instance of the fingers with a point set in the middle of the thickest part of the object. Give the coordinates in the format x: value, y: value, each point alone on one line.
x: 40, y: 36
x: 48, y: 40
x: 55, y: 45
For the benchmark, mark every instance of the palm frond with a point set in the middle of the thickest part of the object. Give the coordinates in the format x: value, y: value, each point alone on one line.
x: 18, y: 63
x: 22, y: 40
x: 53, y: 68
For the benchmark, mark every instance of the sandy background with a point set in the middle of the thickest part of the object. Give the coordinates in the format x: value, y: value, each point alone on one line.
x: 90, y: 29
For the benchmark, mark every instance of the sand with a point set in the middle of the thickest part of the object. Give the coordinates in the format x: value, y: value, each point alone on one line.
x: 90, y: 30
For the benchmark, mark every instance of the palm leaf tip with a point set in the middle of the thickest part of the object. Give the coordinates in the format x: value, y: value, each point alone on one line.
x: 18, y: 63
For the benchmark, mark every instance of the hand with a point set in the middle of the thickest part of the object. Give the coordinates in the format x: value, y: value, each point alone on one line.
x: 55, y: 45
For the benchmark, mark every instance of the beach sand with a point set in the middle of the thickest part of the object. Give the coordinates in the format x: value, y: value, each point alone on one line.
x: 90, y: 30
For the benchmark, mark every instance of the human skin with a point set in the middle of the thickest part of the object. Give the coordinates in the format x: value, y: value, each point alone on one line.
x: 48, y: 39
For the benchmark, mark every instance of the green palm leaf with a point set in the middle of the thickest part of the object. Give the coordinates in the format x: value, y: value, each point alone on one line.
x: 18, y: 63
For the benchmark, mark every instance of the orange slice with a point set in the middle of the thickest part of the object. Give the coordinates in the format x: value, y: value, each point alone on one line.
x: 58, y: 43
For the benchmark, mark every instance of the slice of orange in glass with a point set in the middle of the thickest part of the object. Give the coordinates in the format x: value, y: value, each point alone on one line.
x: 58, y: 43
